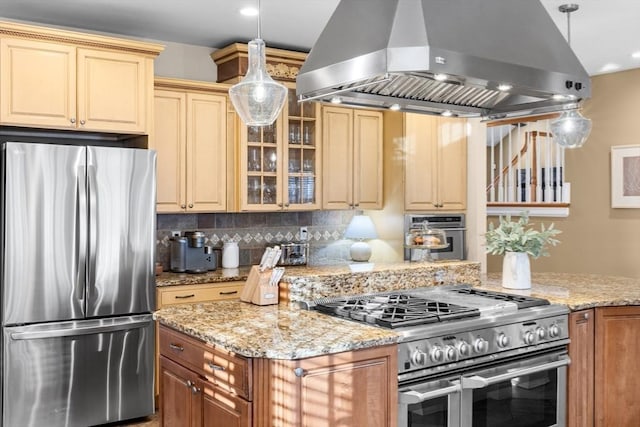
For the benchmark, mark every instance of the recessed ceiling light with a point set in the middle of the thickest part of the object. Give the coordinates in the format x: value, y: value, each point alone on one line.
x: 504, y: 87
x: 446, y: 113
x: 249, y: 11
x: 394, y: 107
x: 440, y: 77
x: 609, y: 67
x: 336, y: 100
x: 636, y: 55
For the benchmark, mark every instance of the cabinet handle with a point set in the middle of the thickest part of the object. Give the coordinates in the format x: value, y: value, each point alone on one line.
x: 299, y: 372
x: 185, y: 296
x: 356, y: 205
x: 82, y: 122
x: 280, y: 204
x: 228, y: 293
x: 192, y: 386
x: 286, y: 205
x: 72, y: 120
x: 190, y: 205
x: 176, y: 347
x: 183, y: 206
x: 586, y: 316
x: 215, y: 367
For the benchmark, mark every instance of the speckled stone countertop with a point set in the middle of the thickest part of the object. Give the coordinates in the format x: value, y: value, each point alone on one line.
x: 274, y: 331
x: 577, y: 291
x: 220, y: 275
x: 310, y: 283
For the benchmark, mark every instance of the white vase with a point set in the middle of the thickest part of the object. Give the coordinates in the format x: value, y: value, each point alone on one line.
x: 516, y: 270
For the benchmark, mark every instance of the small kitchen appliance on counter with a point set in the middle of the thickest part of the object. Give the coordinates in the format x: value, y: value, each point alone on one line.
x: 294, y: 253
x: 189, y: 254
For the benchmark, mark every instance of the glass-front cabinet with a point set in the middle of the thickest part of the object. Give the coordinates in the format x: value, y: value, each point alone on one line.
x: 279, y: 164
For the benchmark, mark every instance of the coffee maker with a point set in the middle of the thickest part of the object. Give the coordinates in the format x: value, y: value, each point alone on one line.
x: 189, y: 254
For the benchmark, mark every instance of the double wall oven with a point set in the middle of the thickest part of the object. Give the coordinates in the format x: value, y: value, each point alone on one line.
x: 470, y: 357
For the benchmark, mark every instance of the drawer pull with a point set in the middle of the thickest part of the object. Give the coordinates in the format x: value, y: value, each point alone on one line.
x: 192, y: 386
x: 177, y: 347
x: 228, y: 293
x: 299, y: 372
x: 216, y: 367
x: 185, y: 296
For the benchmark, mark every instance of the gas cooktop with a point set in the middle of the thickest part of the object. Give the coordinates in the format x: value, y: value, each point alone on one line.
x: 424, y: 305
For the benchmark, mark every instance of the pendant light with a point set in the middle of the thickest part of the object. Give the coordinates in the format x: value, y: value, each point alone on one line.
x: 571, y: 129
x: 258, y: 99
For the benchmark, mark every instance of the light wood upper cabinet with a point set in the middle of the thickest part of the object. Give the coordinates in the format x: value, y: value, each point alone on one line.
x: 435, y: 156
x: 190, y: 136
x: 352, y: 158
x: 73, y: 81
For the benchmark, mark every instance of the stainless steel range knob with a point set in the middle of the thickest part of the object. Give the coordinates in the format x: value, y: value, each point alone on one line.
x: 480, y: 345
x: 464, y: 349
x: 554, y: 331
x: 541, y: 333
x: 503, y: 340
x: 529, y: 338
x: 437, y: 354
x: 419, y: 357
x: 450, y: 353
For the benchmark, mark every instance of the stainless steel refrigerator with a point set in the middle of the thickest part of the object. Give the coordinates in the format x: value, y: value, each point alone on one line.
x: 78, y: 250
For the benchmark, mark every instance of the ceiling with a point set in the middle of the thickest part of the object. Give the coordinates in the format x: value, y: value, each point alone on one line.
x: 602, y: 32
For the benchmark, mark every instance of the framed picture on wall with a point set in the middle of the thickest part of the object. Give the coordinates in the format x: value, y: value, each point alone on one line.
x: 625, y: 176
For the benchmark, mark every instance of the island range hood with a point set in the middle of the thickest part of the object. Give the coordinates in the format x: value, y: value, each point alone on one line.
x: 466, y: 58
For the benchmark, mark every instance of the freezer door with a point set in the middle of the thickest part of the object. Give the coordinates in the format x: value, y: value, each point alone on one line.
x: 44, y: 233
x: 78, y: 373
x: 122, y: 231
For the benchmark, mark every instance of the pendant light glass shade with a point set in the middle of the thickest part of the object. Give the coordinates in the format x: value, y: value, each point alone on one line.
x: 571, y: 129
x: 258, y: 99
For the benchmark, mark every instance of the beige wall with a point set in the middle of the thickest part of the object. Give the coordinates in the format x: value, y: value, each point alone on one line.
x: 596, y: 238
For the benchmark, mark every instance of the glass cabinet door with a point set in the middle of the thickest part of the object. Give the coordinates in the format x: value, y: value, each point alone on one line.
x: 302, y: 154
x: 261, y: 165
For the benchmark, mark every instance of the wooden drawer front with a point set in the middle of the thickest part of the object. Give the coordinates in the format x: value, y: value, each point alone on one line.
x: 200, y: 294
x: 225, y: 370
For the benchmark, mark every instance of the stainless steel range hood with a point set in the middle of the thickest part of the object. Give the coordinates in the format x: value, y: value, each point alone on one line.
x: 384, y: 53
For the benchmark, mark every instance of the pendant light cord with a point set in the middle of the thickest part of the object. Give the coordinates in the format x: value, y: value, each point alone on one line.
x: 259, y: 19
x: 568, y: 27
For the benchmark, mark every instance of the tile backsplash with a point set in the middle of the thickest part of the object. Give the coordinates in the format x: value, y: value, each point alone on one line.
x: 255, y: 231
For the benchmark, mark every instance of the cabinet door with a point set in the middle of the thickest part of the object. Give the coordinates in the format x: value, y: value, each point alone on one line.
x: 337, y: 161
x: 617, y: 345
x: 367, y: 153
x: 112, y: 91
x: 223, y: 409
x: 452, y: 163
x: 580, y: 372
x: 169, y: 139
x: 420, y: 162
x: 206, y: 152
x: 38, y: 84
x: 180, y: 396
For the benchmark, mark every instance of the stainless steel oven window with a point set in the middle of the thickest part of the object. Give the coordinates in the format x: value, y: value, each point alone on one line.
x: 526, y: 393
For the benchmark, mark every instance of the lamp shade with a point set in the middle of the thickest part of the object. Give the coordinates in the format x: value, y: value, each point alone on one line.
x: 571, y: 129
x: 361, y: 227
x: 258, y: 99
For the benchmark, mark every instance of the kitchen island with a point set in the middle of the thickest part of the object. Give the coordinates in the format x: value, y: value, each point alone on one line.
x: 604, y: 328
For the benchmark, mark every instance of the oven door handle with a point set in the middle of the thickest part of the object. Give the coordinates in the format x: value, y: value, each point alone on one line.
x: 412, y: 396
x: 477, y: 381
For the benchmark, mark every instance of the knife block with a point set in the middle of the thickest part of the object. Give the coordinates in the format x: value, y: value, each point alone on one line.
x: 257, y: 289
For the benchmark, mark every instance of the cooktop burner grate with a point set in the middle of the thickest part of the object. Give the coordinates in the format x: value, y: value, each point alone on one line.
x: 521, y: 301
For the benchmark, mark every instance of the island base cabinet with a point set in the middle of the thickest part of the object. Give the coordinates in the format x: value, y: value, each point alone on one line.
x: 357, y: 388
x: 580, y: 372
x: 180, y: 403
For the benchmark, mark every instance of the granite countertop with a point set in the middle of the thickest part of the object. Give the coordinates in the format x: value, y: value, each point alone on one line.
x: 220, y: 275
x: 577, y: 291
x: 274, y: 331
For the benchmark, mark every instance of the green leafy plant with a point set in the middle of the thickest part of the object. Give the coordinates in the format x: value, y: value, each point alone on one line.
x: 516, y: 236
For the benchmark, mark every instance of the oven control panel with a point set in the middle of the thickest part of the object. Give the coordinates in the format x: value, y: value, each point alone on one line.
x: 448, y: 352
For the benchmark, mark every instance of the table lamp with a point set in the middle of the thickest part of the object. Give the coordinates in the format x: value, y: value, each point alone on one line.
x: 360, y: 228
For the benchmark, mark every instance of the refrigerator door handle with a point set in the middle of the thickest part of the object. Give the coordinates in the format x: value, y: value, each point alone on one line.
x: 81, y: 232
x: 84, y: 330
x: 92, y: 187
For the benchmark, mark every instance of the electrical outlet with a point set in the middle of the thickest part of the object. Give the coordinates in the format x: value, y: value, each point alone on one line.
x: 304, y: 234
x: 175, y: 233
